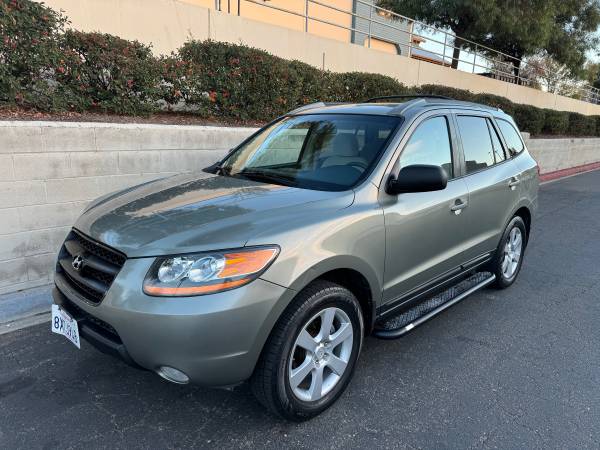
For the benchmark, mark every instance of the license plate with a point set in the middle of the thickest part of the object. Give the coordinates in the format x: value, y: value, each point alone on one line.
x: 63, y: 323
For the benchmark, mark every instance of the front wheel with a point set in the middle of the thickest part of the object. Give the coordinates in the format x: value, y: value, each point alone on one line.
x: 309, y: 358
x: 508, y: 260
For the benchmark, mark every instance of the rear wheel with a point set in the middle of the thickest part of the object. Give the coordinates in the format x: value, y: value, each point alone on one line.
x: 508, y: 260
x: 309, y: 358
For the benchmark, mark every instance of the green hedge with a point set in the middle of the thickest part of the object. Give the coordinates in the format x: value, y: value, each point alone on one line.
x: 29, y: 52
x: 529, y: 118
x: 580, y: 125
x: 47, y: 69
x: 108, y: 73
x: 556, y: 122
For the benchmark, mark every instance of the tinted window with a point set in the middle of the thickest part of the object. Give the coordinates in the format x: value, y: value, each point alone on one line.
x: 331, y: 152
x: 429, y: 144
x: 476, y: 141
x: 511, y: 137
x: 498, y: 150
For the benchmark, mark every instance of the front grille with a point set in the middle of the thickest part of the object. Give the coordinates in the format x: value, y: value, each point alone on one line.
x: 99, y: 265
x: 98, y: 325
x: 100, y: 250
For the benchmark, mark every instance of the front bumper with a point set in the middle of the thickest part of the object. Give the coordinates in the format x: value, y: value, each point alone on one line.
x: 214, y: 339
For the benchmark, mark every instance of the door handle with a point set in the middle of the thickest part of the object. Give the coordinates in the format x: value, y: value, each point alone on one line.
x: 513, y: 183
x: 458, y: 206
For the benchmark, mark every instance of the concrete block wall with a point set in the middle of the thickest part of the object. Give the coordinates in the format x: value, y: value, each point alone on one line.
x: 50, y: 171
x: 553, y: 155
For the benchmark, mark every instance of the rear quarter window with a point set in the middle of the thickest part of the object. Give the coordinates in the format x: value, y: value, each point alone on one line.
x: 477, y: 143
x: 513, y: 140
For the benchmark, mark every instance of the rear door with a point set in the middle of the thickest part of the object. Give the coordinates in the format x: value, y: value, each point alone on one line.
x: 492, y: 181
x: 424, y: 231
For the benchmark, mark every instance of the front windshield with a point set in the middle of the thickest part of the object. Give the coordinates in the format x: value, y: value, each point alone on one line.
x: 330, y: 152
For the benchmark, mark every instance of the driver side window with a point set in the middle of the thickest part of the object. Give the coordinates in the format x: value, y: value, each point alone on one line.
x: 430, y: 144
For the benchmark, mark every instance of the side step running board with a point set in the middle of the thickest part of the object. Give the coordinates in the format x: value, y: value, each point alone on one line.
x: 400, y: 325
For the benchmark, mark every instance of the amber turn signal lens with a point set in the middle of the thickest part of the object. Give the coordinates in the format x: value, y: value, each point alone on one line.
x: 245, y: 263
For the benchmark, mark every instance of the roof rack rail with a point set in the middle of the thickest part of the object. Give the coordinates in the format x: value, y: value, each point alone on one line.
x: 415, y: 96
x: 403, y: 107
x: 307, y: 107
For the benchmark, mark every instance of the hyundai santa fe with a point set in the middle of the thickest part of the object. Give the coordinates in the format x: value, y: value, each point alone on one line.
x: 331, y: 223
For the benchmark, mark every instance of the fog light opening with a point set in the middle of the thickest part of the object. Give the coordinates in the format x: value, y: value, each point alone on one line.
x: 173, y: 375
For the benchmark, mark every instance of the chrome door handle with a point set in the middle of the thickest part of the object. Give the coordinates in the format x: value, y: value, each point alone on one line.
x: 458, y: 206
x: 513, y: 183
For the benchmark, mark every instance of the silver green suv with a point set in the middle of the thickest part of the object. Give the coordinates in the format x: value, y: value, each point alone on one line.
x: 328, y: 224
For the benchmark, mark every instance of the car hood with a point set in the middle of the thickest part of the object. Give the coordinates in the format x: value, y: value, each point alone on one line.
x: 198, y: 212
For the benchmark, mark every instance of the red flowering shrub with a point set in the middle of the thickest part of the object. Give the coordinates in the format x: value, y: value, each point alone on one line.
x: 229, y: 80
x: 109, y: 73
x: 29, y: 52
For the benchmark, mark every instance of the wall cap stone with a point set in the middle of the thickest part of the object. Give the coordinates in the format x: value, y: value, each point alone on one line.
x: 125, y: 126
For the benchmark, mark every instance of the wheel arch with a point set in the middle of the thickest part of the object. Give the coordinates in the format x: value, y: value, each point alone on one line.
x: 524, y: 210
x: 353, y: 274
x: 525, y: 213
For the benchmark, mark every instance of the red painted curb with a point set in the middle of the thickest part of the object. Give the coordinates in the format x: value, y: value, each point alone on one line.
x: 570, y: 171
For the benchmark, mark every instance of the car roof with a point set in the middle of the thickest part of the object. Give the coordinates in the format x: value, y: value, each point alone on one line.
x: 411, y: 107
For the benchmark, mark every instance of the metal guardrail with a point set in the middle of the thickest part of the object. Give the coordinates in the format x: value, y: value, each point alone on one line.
x: 473, y: 57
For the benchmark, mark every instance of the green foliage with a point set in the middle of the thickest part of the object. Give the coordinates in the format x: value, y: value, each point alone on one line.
x: 358, y: 87
x: 313, y: 84
x: 496, y: 101
x: 592, y: 74
x: 445, y: 91
x: 580, y: 125
x: 105, y: 72
x: 573, y: 32
x: 466, y: 18
x: 230, y: 80
x: 29, y: 51
x: 521, y: 28
x: 565, y: 30
x: 529, y: 118
x: 556, y: 122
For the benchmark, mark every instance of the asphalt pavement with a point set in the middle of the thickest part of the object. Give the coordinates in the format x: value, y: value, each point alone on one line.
x: 518, y: 368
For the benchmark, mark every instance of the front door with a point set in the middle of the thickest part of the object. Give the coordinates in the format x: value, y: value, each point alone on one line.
x: 424, y: 231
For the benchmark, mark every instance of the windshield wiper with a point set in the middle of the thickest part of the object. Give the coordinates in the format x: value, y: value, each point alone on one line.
x: 259, y: 175
x: 217, y: 169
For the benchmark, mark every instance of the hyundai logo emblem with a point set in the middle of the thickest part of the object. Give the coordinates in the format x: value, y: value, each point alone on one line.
x: 77, y: 262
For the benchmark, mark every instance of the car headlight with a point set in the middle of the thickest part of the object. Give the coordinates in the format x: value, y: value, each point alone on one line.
x: 207, y: 273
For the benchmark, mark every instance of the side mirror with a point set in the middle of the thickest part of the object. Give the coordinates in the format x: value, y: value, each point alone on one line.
x: 418, y: 178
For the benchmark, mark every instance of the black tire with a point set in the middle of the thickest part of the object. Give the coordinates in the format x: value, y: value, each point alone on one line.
x: 502, y: 282
x: 270, y: 382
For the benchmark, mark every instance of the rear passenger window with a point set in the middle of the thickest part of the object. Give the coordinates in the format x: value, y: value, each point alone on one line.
x: 498, y: 150
x: 477, y: 145
x: 511, y: 137
x: 430, y: 144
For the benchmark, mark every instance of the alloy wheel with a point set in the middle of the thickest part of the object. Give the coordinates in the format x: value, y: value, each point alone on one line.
x: 320, y: 354
x: 512, y: 253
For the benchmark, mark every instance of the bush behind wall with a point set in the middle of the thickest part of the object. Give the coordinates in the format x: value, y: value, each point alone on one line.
x: 48, y: 69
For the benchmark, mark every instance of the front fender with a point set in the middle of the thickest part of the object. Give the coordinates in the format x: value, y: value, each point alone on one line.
x: 341, y: 262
